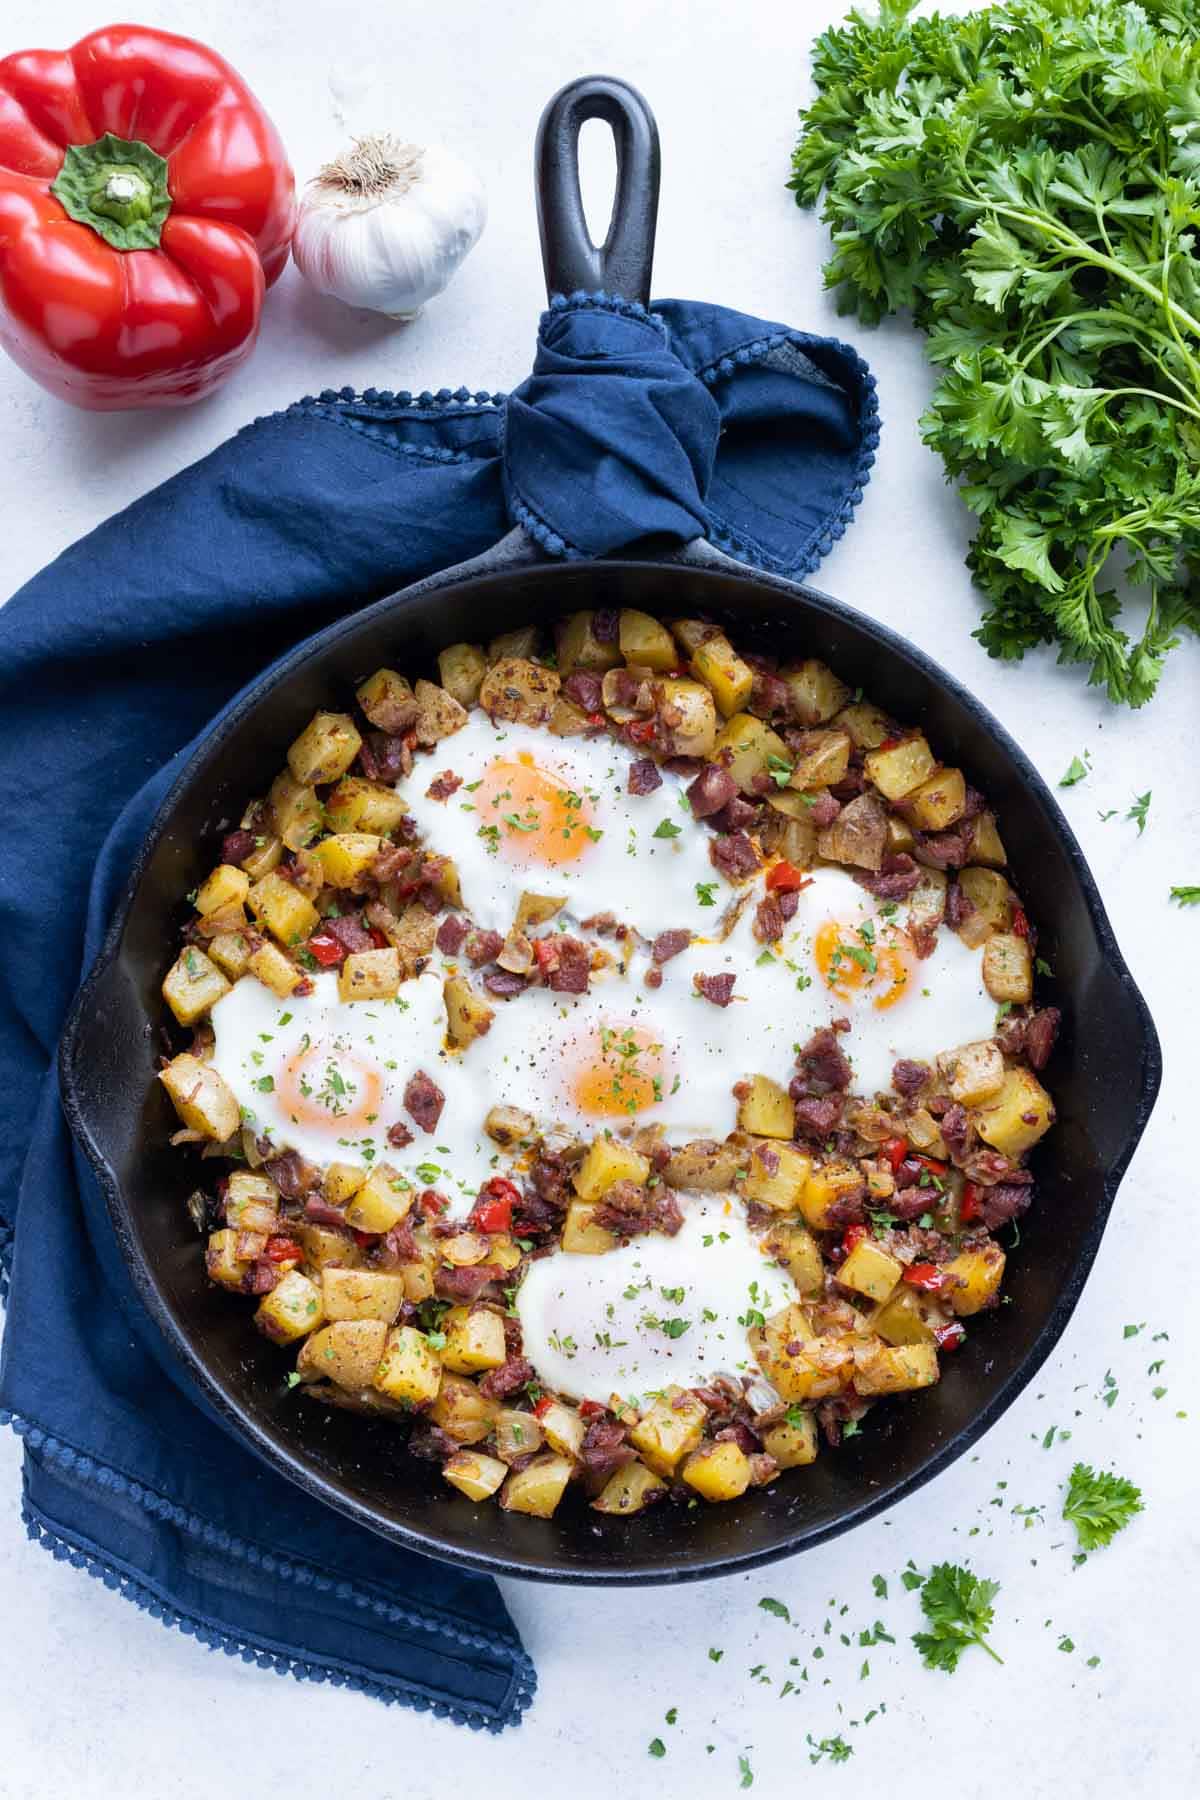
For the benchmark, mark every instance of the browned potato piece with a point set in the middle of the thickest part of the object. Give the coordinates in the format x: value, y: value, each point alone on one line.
x: 384, y: 1198
x: 325, y: 749
x: 462, y: 1412
x: 687, y: 719
x: 974, y: 1072
x: 536, y: 909
x: 766, y: 1109
x: 468, y: 1014
x: 347, y: 1352
x: 251, y: 1202
x: 858, y: 835
x: 562, y: 1428
x: 866, y: 725
x: 986, y: 847
x: 896, y: 771
x: 269, y: 965
x: 718, y: 1471
x: 799, y: 1365
x: 362, y: 1294
x: 973, y: 1278
x: 202, y: 1098
x: 221, y: 1261
x: 645, y: 642
x: 287, y: 914
x: 794, y: 835
x: 870, y: 1270
x: 580, y: 648
x: 193, y: 985
x: 815, y: 693
x: 225, y: 884
x: 1020, y: 1114
x: 1008, y: 968
x: 629, y: 1490
x: 537, y: 1488
x: 508, y: 1125
x: 291, y: 1310
x: 793, y: 1442
x: 823, y: 760
x: 461, y: 669
x: 671, y: 1428
x: 369, y: 975
x: 777, y: 1176
x: 794, y: 1245
x: 609, y: 1161
x: 295, y: 813
x: 567, y: 719
x: 408, y: 1369
x: 522, y: 642
x: 894, y: 1368
x: 719, y: 666
x: 824, y: 1188
x: 901, y: 1320
x: 991, y: 905
x: 388, y: 701
x: 230, y: 950
x: 927, y: 902
x: 474, y: 1474
x: 706, y: 1166
x: 900, y: 835
x: 750, y: 749
x: 412, y: 936
x: 359, y: 805
x: 342, y: 1182
x: 438, y: 714
x: 938, y: 802
x: 324, y: 1247
x: 519, y: 690
x: 581, y: 1236
x: 474, y: 1340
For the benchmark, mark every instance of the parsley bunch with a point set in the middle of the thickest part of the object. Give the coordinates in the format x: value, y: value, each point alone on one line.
x: 1027, y: 180
x: 1099, y: 1505
x: 958, y: 1607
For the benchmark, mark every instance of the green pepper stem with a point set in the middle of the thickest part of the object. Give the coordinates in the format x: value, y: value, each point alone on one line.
x: 119, y: 188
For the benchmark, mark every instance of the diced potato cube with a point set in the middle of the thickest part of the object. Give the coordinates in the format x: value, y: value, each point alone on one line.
x: 468, y: 1015
x: 825, y: 1187
x: 265, y: 856
x: 866, y: 725
x: 226, y: 884
x: 291, y: 1310
x: 581, y: 1236
x: 815, y: 692
x: 975, y: 1072
x: 901, y: 768
x: 537, y: 909
x: 687, y: 718
x: 462, y: 1412
x: 509, y: 1126
x: 192, y: 985
x: 418, y: 1278
x: 269, y: 965
x: 409, y: 1370
x: 901, y: 1319
x: 562, y: 1428
x: 718, y: 665
x: 1020, y: 1114
x: 991, y: 905
x: 520, y: 690
x: 287, y: 913
x: 609, y: 1161
x: 251, y: 1202
x: 986, y: 847
x: 767, y: 1109
x: 346, y: 1352
x: 645, y: 642
x: 1008, y: 968
x: 412, y: 937
x: 438, y: 714
x: 791, y: 832
x: 707, y: 1167
x: 777, y: 1176
x: 671, y: 1428
x: 858, y: 836
x: 793, y: 1442
x: 362, y: 1294
x: 474, y: 1474
x: 323, y: 1246
x: 201, y: 1097
x: 799, y: 1365
x: 894, y: 1368
x: 296, y: 815
x: 537, y: 1488
x: 580, y: 648
x: 222, y: 1261
x: 474, y: 1340
x: 938, y: 802
x: 230, y: 950
x: 370, y: 975
x: 325, y: 749
x: 689, y: 634
x: 521, y: 641
x: 567, y: 719
x: 900, y: 836
x: 927, y: 902
x: 973, y: 1278
x: 822, y: 761
x: 794, y: 1245
x: 347, y: 855
x: 749, y: 749
x: 384, y: 1198
x: 870, y: 1269
x: 718, y: 1471
x: 629, y: 1490
x: 358, y: 805
x: 388, y: 701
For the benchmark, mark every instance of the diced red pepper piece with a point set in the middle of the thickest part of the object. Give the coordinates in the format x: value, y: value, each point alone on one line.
x: 853, y: 1237
x: 283, y: 1249
x: 493, y: 1210
x: 931, y: 1163
x: 591, y: 1409
x: 327, y: 950
x: 432, y: 1204
x: 969, y: 1206
x: 786, y: 878
x: 949, y: 1337
x: 542, y: 1407
x: 378, y: 938
x: 545, y: 952
x: 926, y: 1276
x: 895, y: 1149
x: 364, y: 1238
x: 892, y: 743
x: 1020, y: 922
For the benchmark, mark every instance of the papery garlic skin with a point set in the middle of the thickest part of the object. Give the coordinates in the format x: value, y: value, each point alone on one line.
x: 386, y: 225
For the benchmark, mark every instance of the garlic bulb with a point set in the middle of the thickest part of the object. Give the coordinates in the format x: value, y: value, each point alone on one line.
x: 386, y: 224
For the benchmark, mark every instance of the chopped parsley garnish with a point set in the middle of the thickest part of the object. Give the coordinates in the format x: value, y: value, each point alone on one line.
x: 666, y: 829
x: 656, y: 1747
x: 1139, y: 810
x: 776, y: 1608
x: 958, y: 1606
x: 1099, y: 1505
x: 265, y: 1084
x: 1186, y: 896
x: 1077, y: 771
x: 835, y: 1748
x: 747, y: 1773
x: 706, y: 892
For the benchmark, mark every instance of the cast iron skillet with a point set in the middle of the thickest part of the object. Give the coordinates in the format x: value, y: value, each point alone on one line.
x: 1104, y: 1075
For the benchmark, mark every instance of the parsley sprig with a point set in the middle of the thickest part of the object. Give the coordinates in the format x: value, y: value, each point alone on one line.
x: 958, y: 1606
x: 1099, y: 1505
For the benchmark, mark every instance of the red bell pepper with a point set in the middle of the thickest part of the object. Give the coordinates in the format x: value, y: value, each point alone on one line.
x: 895, y: 1149
x: 786, y: 878
x: 542, y: 1407
x: 493, y: 1210
x: 969, y: 1206
x: 949, y: 1337
x: 283, y: 1249
x: 1020, y: 922
x: 146, y: 204
x: 329, y: 951
x: 852, y: 1237
x: 926, y: 1276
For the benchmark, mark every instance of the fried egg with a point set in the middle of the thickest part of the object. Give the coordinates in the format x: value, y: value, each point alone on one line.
x: 555, y: 816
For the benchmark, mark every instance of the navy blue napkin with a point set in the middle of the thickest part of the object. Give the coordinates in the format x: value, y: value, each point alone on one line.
x: 679, y: 422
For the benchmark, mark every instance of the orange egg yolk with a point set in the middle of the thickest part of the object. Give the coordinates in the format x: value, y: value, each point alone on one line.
x: 856, y: 970
x: 621, y: 1072
x: 337, y: 1091
x: 531, y: 815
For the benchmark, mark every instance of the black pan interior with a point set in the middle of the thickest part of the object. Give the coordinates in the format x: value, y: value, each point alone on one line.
x: 1104, y: 1076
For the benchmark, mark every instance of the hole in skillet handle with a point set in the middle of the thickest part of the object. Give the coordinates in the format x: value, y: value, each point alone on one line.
x: 622, y: 264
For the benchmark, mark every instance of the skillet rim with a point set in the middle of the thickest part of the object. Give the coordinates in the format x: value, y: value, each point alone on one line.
x: 496, y: 567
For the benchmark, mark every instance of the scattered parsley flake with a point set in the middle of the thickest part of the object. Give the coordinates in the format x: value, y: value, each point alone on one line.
x: 776, y: 1608
x: 656, y: 1747
x: 1186, y: 896
x: 1139, y: 810
x: 1077, y: 771
x: 666, y: 828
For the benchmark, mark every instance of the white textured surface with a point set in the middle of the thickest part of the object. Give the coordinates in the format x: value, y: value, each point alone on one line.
x: 97, y: 1699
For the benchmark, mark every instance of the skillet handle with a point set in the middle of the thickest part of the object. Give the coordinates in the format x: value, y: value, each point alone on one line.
x: 622, y: 264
